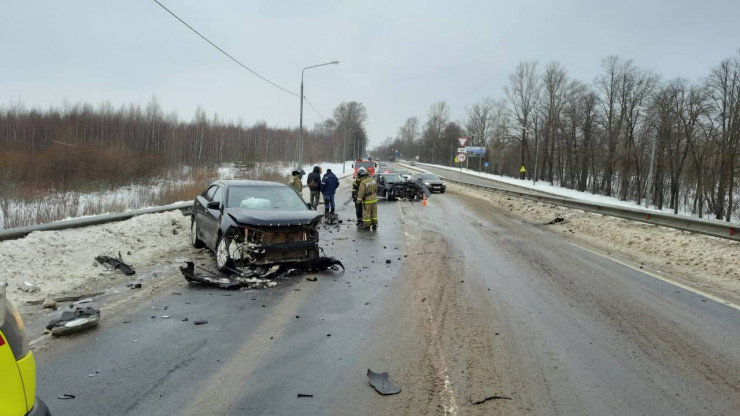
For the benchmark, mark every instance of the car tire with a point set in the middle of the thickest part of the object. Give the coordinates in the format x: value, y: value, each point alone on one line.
x: 194, y: 240
x: 224, y: 262
x: 441, y: 192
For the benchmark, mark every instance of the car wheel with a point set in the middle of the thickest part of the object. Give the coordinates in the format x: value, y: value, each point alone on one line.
x: 224, y: 262
x: 194, y: 240
x: 441, y: 192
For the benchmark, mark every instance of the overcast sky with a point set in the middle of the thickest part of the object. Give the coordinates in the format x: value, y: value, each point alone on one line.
x: 397, y: 57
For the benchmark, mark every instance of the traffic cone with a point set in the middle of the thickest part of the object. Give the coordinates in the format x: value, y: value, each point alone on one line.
x: 424, y: 201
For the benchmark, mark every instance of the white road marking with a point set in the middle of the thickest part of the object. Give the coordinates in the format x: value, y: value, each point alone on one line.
x: 664, y: 279
x: 449, y: 405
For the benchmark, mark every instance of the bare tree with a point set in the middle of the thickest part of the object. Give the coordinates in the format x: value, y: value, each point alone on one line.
x: 523, y: 94
x: 433, y: 134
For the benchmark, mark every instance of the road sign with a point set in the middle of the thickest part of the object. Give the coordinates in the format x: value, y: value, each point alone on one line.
x: 522, y: 169
x: 461, y: 157
x: 461, y: 150
x: 475, y: 150
x: 485, y: 164
x: 462, y: 141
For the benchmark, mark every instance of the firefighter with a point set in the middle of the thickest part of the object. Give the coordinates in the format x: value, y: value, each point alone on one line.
x: 367, y: 194
x: 358, y: 204
x: 296, y: 182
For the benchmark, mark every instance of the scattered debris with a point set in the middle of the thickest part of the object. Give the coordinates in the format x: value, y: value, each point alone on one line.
x: 300, y: 395
x: 485, y: 399
x: 184, y: 319
x: 116, y: 263
x: 134, y: 285
x: 556, y: 220
x: 312, y: 279
x: 66, y: 396
x: 388, y: 261
x: 50, y: 303
x: 258, y: 277
x: 382, y: 385
x: 74, y: 321
x: 200, y: 322
x: 66, y: 298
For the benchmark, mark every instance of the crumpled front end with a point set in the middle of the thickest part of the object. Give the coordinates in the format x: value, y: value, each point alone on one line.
x: 252, y: 245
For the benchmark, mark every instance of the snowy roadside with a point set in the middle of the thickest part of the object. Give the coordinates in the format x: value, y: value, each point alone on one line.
x: 564, y: 192
x: 703, y: 262
x: 63, y: 262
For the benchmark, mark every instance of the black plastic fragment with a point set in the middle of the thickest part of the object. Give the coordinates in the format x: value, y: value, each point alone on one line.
x: 222, y: 282
x: 556, y: 220
x: 74, y: 321
x: 116, y: 264
x: 300, y: 395
x: 485, y: 399
x: 382, y: 385
x: 66, y: 396
x: 201, y: 322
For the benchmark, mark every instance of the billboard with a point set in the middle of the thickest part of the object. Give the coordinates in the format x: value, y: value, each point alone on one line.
x: 475, y: 150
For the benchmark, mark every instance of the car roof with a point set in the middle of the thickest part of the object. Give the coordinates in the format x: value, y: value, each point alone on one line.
x: 247, y: 182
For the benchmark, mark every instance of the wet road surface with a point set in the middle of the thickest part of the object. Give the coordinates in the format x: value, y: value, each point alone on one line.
x: 473, y: 304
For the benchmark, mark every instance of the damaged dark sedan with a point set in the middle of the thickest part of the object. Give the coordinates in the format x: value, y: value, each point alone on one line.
x: 254, y: 223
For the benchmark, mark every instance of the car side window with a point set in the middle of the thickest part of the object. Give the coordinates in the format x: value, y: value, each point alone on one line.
x: 210, y: 192
x: 218, y: 196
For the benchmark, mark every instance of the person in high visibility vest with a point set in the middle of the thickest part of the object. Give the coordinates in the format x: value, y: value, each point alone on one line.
x: 358, y: 204
x: 367, y: 193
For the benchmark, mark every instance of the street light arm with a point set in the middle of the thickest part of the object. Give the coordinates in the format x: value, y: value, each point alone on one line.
x: 314, y: 66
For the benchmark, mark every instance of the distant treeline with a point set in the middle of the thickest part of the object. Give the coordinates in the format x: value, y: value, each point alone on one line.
x: 80, y: 146
x: 627, y: 134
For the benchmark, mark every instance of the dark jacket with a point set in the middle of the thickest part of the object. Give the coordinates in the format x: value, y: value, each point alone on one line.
x: 355, y: 186
x: 314, y: 176
x: 329, y: 184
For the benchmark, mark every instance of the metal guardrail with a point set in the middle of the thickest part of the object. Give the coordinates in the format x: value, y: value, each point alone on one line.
x: 726, y: 230
x: 20, y: 232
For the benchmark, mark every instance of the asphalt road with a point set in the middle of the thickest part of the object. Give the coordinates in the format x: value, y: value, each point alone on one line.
x: 474, y: 305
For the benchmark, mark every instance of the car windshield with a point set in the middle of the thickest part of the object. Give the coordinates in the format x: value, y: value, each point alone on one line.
x: 392, y: 177
x: 277, y: 197
x: 429, y: 176
x: 364, y: 165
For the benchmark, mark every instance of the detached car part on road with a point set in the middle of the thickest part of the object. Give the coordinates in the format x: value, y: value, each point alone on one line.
x: 254, y: 223
x: 17, y: 365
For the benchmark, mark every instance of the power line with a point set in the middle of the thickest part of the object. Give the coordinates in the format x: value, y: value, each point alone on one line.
x: 314, y: 109
x: 224, y: 52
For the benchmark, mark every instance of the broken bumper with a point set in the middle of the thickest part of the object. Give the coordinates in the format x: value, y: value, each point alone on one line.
x: 280, y: 253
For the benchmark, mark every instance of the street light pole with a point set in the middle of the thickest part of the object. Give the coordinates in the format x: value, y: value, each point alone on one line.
x: 300, y: 125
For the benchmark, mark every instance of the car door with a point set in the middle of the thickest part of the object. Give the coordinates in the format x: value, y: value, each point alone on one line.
x: 210, y: 217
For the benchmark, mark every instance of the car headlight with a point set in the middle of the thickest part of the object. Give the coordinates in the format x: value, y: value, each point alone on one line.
x: 427, y: 184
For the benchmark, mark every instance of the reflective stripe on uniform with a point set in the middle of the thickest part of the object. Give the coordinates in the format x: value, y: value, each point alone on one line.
x: 371, y: 202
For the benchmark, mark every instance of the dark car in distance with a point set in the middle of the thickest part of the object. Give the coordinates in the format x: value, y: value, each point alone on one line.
x: 385, y: 182
x: 433, y: 182
x: 251, y: 223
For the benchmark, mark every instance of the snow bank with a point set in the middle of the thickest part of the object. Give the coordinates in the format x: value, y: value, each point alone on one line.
x: 64, y: 261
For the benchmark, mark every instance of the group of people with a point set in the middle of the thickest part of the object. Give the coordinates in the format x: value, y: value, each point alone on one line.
x: 364, y: 194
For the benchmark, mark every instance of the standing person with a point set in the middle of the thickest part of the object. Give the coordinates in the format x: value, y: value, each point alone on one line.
x: 329, y: 185
x: 367, y: 192
x: 314, y: 185
x: 358, y: 204
x: 296, y: 182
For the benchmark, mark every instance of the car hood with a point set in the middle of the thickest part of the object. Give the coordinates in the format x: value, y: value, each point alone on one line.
x: 272, y: 218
